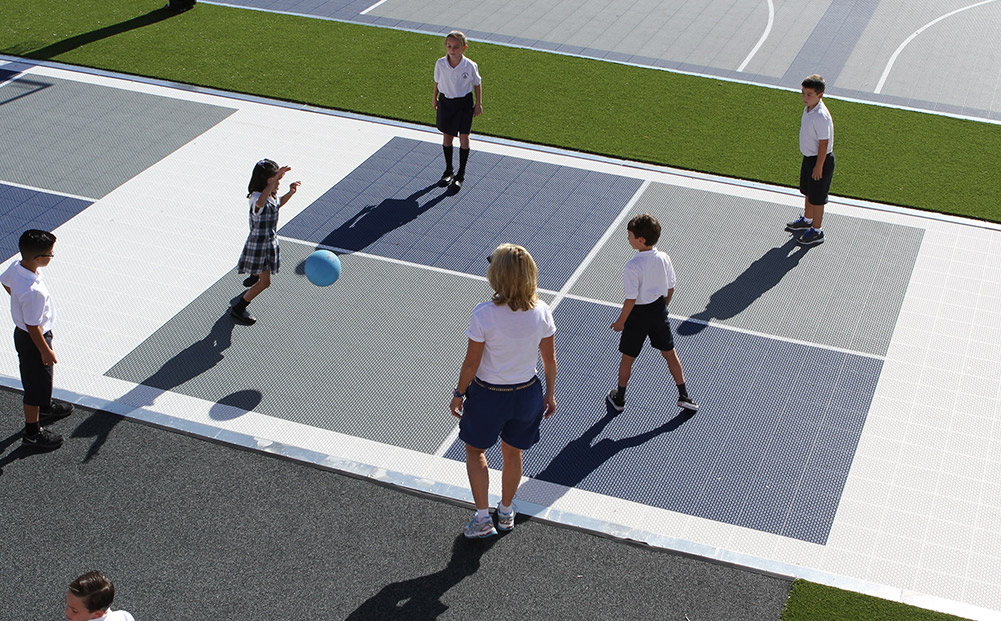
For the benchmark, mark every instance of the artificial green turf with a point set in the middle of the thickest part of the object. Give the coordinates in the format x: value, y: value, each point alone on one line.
x: 886, y: 155
x: 815, y: 602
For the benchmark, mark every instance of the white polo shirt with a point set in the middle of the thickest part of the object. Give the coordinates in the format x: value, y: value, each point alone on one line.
x: 511, y: 340
x: 30, y: 303
x: 647, y: 276
x: 116, y: 615
x: 456, y: 81
x: 816, y: 125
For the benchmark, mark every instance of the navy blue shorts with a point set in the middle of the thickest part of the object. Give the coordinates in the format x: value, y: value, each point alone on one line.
x: 816, y: 190
x: 511, y: 412
x: 454, y: 116
x: 36, y: 377
x: 643, y: 321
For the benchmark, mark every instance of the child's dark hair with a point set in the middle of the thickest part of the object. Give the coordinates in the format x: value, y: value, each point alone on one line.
x: 816, y: 83
x: 645, y: 226
x: 94, y: 590
x: 263, y: 170
x: 34, y: 242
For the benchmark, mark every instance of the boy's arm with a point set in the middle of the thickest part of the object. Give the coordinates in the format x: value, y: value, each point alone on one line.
x: 818, y: 170
x: 7, y: 289
x: 478, y: 96
x: 667, y: 298
x: 627, y: 307
x: 48, y: 356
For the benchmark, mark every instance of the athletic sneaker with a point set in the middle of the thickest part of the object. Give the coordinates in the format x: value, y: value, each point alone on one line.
x: 57, y: 411
x: 44, y: 439
x: 617, y: 404
x: 505, y: 521
x: 811, y: 238
x: 798, y: 225
x: 477, y: 529
x: 687, y: 403
x: 446, y: 179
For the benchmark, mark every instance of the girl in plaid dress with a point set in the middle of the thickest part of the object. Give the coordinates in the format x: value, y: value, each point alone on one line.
x: 260, y: 256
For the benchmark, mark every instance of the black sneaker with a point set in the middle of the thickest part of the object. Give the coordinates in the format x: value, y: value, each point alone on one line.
x: 57, y: 411
x: 686, y: 403
x: 251, y: 280
x: 457, y: 182
x: 798, y: 225
x: 44, y: 439
x: 811, y: 238
x: 242, y: 316
x: 446, y: 179
x: 617, y: 404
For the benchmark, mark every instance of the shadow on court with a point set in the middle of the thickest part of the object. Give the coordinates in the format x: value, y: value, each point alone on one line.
x: 579, y: 458
x: 372, y: 222
x: 419, y: 599
x: 755, y: 281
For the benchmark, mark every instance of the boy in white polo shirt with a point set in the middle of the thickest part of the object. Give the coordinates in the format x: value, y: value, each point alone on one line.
x: 648, y: 280
x: 456, y: 80
x: 33, y: 314
x: 816, y: 143
x: 89, y: 598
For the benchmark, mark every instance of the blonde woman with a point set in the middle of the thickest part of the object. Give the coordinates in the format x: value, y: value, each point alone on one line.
x: 499, y: 393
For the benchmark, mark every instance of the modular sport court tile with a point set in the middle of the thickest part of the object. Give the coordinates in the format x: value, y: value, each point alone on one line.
x: 848, y: 391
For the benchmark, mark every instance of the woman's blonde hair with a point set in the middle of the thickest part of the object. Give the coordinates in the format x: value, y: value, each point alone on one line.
x: 513, y: 275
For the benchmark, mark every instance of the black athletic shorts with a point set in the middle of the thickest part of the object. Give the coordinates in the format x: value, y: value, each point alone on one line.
x: 455, y: 116
x: 643, y: 321
x: 816, y: 191
x: 36, y: 377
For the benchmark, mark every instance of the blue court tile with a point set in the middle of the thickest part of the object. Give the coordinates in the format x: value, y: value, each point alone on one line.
x: 22, y: 209
x: 755, y: 455
x: 391, y: 202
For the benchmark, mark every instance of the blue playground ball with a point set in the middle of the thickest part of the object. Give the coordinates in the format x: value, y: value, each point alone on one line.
x: 323, y: 268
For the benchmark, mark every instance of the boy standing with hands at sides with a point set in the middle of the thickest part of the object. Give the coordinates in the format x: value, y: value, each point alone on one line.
x: 648, y: 281
x: 90, y: 596
x: 33, y: 313
x: 816, y: 143
x: 456, y: 80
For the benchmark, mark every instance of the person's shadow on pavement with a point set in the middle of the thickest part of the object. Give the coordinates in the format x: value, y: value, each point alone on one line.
x: 419, y: 599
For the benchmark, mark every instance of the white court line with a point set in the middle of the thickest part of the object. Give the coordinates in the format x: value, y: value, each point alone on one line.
x: 365, y: 12
x: 764, y: 35
x: 900, y: 48
x: 598, y: 246
x: 45, y: 191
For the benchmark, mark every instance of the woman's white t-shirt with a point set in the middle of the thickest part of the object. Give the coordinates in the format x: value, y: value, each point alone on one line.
x: 511, y: 340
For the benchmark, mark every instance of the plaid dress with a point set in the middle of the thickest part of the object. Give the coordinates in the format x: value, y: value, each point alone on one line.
x: 260, y: 253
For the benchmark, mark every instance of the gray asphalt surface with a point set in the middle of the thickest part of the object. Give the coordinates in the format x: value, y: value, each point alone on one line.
x: 188, y: 528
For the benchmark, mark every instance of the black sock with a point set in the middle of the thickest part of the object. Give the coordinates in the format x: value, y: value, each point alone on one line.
x: 620, y: 394
x: 448, y: 157
x: 463, y: 156
x: 241, y: 306
x: 31, y: 429
x: 682, y: 391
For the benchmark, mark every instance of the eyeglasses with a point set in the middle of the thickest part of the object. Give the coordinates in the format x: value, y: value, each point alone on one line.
x: 47, y: 256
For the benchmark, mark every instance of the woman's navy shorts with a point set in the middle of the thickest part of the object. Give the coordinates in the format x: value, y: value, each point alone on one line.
x: 511, y: 412
x: 815, y: 190
x: 455, y: 116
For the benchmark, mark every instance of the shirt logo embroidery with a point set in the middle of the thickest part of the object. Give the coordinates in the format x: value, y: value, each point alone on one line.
x: 465, y: 76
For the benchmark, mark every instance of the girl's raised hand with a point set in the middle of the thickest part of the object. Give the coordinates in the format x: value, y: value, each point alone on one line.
x: 294, y: 186
x: 281, y: 173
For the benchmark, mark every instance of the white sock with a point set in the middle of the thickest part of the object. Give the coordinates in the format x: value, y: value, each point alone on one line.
x: 503, y: 509
x: 482, y: 515
x: 808, y: 220
x: 820, y: 230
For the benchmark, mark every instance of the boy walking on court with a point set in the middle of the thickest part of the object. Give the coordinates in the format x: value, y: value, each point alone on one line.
x: 89, y: 597
x: 33, y: 314
x: 648, y: 280
x: 816, y: 143
x: 456, y: 80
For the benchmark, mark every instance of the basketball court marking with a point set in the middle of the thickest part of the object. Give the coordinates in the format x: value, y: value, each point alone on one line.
x: 913, y: 522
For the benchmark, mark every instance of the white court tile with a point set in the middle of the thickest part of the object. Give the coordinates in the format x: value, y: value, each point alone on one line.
x: 920, y: 514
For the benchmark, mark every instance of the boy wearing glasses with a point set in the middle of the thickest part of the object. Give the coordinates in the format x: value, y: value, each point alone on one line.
x: 33, y: 314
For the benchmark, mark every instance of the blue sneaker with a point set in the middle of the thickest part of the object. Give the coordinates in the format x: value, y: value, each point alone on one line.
x: 477, y: 529
x: 811, y: 238
x: 799, y: 225
x: 505, y: 521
